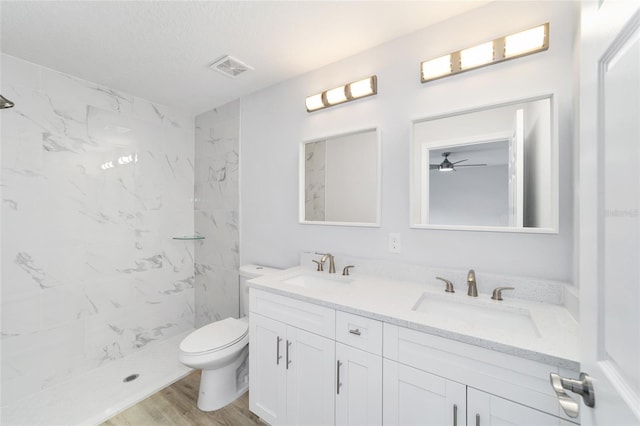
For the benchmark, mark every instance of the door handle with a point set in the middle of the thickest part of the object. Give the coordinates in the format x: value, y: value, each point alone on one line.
x: 288, y: 360
x: 455, y: 414
x: 278, y: 356
x: 583, y: 387
x: 338, y: 384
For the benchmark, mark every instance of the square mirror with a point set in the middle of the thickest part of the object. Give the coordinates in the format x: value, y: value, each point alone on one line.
x: 340, y: 179
x: 489, y: 169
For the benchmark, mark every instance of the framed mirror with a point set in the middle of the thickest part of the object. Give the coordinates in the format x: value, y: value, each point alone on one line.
x: 340, y: 179
x: 489, y: 169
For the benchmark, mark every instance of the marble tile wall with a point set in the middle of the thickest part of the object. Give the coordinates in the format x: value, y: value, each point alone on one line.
x: 216, y: 213
x: 95, y: 183
x: 314, y: 185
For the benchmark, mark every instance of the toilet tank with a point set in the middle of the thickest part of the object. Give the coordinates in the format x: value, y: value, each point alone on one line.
x: 248, y: 272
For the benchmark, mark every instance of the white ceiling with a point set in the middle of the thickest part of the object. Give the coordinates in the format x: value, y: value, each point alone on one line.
x: 161, y: 50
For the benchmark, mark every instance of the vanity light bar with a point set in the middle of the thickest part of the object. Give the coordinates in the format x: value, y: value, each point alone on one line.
x: 348, y: 92
x: 513, y: 46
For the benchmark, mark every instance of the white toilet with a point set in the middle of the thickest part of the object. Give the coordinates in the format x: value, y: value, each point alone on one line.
x: 221, y: 351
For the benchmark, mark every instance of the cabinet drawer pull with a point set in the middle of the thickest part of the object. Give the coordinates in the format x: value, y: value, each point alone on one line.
x: 278, y: 356
x: 477, y: 419
x: 288, y: 360
x: 356, y: 332
x: 338, y: 384
x: 455, y: 415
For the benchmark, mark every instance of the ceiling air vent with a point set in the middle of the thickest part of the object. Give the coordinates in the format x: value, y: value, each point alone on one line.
x: 230, y: 66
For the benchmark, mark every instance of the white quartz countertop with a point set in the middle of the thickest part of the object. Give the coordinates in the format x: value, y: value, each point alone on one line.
x: 552, y: 340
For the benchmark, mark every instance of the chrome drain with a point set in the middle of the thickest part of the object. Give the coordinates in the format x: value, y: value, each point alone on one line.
x: 130, y: 378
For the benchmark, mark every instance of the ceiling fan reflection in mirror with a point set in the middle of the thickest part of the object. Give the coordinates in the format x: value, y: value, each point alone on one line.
x: 448, y: 166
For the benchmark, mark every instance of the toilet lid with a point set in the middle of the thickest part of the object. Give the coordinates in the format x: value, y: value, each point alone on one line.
x: 215, y: 336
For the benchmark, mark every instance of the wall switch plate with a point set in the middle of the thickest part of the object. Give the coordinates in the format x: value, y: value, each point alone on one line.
x: 394, y: 242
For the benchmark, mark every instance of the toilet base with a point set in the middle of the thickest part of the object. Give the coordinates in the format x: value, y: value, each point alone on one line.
x: 222, y: 386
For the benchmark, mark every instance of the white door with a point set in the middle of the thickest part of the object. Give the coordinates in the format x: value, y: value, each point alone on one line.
x: 484, y: 409
x: 267, y: 380
x: 414, y: 397
x: 609, y: 209
x: 516, y: 172
x: 311, y: 378
x: 359, y: 387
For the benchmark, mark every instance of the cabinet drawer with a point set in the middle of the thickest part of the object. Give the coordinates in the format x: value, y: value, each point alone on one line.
x: 359, y: 332
x: 306, y: 316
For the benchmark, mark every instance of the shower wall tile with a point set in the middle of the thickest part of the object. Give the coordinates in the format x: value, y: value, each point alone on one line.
x: 216, y: 214
x: 95, y: 183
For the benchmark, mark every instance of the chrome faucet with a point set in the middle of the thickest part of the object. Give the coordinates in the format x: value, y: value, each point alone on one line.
x: 332, y: 264
x: 471, y: 282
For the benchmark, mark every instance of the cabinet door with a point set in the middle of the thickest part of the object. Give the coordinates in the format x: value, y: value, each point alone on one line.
x: 310, y: 367
x: 484, y: 409
x: 414, y: 397
x: 267, y: 379
x: 359, y: 387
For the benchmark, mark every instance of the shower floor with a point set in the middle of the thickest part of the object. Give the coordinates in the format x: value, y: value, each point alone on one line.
x: 98, y: 395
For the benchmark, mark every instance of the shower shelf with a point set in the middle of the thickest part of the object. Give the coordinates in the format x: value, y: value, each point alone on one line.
x: 190, y: 237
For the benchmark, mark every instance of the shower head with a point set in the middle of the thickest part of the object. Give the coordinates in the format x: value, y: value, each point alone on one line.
x: 5, y: 103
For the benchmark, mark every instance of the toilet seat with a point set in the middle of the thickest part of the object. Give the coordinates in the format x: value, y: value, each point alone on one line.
x: 215, y: 337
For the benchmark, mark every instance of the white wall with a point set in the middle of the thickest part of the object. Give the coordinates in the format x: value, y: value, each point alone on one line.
x: 472, y: 196
x: 352, y: 178
x: 274, y: 121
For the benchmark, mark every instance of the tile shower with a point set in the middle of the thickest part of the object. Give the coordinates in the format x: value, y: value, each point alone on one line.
x: 95, y: 185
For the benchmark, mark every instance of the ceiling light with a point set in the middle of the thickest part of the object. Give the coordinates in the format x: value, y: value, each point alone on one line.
x: 349, y: 92
x: 498, y: 50
x: 525, y: 41
x: 476, y: 56
x: 435, y: 68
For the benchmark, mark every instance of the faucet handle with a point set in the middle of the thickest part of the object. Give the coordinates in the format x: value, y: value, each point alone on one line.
x: 345, y: 270
x: 497, y: 292
x: 320, y: 267
x: 449, y: 284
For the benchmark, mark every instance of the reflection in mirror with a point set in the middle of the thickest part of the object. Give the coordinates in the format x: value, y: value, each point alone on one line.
x: 489, y: 169
x: 340, y: 180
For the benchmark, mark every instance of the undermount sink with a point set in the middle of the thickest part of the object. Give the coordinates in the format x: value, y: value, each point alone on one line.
x: 479, y: 314
x: 311, y: 280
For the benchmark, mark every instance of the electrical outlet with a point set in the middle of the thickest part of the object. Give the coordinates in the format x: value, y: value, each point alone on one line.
x: 394, y: 242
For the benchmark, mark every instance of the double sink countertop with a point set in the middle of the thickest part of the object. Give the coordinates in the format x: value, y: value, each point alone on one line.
x: 541, y: 332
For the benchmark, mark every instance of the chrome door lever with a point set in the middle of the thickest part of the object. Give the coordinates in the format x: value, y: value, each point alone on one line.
x: 583, y: 387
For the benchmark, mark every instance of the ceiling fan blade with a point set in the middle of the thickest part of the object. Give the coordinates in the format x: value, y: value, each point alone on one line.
x: 472, y: 165
x: 456, y: 162
x: 434, y: 166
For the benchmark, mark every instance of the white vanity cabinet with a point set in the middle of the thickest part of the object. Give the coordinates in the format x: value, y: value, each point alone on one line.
x: 359, y: 370
x: 292, y: 370
x: 484, y: 386
x: 311, y: 364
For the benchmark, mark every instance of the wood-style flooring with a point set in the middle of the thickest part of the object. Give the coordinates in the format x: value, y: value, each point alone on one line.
x: 176, y: 406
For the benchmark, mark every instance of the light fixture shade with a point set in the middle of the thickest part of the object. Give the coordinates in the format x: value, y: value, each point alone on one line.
x: 476, y: 56
x: 437, y: 67
x: 314, y: 102
x: 349, y: 92
x: 361, y: 88
x: 336, y: 96
x: 501, y: 49
x: 525, y: 42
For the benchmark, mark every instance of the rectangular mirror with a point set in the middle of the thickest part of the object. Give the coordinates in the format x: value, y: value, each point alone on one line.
x: 487, y: 169
x: 340, y: 179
